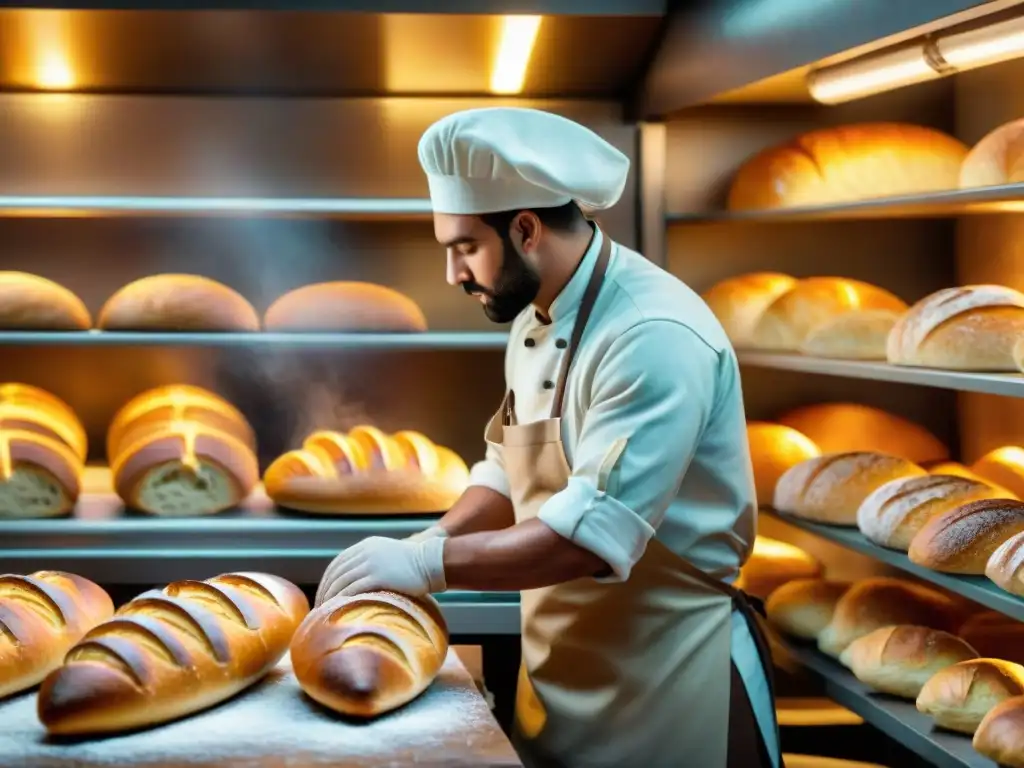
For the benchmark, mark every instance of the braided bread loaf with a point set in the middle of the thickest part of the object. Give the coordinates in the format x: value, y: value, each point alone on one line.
x: 368, y: 654
x: 41, y: 617
x: 179, y: 451
x: 172, y: 652
x: 367, y: 471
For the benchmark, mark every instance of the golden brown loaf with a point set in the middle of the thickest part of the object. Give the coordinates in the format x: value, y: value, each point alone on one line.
x: 345, y: 307
x: 899, y: 660
x: 893, y: 514
x: 41, y: 617
x: 1000, y: 736
x: 995, y: 636
x: 843, y: 427
x: 368, y: 654
x: 804, y: 607
x: 1005, y: 567
x: 846, y: 163
x: 33, y: 303
x: 773, y: 450
x: 830, y: 488
x: 1003, y: 468
x: 172, y: 652
x: 997, y: 159
x: 173, y: 302
x: 181, y: 451
x: 809, y: 309
x: 874, y: 603
x: 971, y: 328
x: 367, y: 471
x: 959, y: 697
x: 771, y: 564
x: 961, y: 540
x: 739, y: 301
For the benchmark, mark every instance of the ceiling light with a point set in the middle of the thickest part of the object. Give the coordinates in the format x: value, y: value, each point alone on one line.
x: 518, y: 35
x: 982, y: 46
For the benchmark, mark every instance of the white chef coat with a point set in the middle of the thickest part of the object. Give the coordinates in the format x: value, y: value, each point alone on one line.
x: 654, y: 407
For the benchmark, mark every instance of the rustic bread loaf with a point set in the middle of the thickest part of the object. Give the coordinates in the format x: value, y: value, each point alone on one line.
x: 172, y: 302
x: 997, y: 159
x: 1005, y: 567
x: 345, y: 307
x: 857, y: 335
x: 773, y: 450
x: 804, y: 607
x: 962, y: 539
x: 959, y: 697
x: 771, y: 564
x: 172, y: 652
x: 1000, y: 735
x: 366, y: 655
x: 739, y: 301
x: 33, y: 303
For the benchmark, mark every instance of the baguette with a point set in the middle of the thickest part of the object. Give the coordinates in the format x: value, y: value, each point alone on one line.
x: 739, y: 301
x: 345, y: 307
x: 178, y: 303
x: 962, y: 539
x: 959, y: 697
x: 773, y: 450
x: 804, y: 607
x: 368, y: 654
x: 172, y: 652
x: 899, y: 660
x: 830, y: 489
x: 41, y: 617
x: 1000, y: 735
x: 997, y: 159
x: 771, y: 564
x: 33, y: 303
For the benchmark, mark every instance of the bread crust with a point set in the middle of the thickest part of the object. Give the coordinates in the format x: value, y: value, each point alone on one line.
x: 804, y: 607
x: 178, y: 302
x: 738, y: 301
x: 959, y: 696
x: 773, y: 563
x: 345, y: 307
x: 33, y: 303
x: 775, y: 448
x: 962, y: 539
x: 997, y: 159
x: 1000, y: 735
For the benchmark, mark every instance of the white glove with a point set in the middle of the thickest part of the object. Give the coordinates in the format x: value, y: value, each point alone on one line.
x: 413, y: 568
x: 428, y: 533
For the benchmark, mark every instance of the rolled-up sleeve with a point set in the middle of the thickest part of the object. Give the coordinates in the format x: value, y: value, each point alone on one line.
x: 652, y: 395
x: 490, y: 473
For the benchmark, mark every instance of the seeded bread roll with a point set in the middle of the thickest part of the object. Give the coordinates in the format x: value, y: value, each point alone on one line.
x: 959, y: 697
x: 772, y: 563
x: 997, y: 159
x: 1000, y: 736
x: 773, y: 450
x: 804, y: 607
x: 961, y: 540
x: 739, y: 301
x: 345, y: 307
x: 173, y: 302
x: 33, y: 303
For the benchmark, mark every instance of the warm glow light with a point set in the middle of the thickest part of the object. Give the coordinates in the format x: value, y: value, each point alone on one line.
x: 54, y: 71
x: 50, y: 65
x: 518, y: 35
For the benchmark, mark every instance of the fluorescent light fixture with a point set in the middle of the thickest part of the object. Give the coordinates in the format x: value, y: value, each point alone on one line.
x: 518, y: 36
x: 983, y: 46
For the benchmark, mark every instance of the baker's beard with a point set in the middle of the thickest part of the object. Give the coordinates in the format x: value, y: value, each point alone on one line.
x: 514, y: 290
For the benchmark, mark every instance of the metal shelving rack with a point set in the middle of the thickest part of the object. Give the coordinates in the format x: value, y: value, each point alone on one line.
x: 431, y: 340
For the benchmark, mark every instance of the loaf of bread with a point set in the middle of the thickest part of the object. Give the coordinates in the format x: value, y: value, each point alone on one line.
x: 997, y: 159
x: 894, y: 513
x: 899, y: 660
x: 739, y: 301
x: 1005, y: 567
x: 33, y: 303
x: 1002, y: 468
x: 345, y: 307
x: 41, y: 617
x: 369, y: 654
x: 874, y: 603
x: 845, y: 427
x: 831, y: 488
x: 31, y: 409
x: 971, y: 328
x: 172, y: 652
x: 1000, y: 735
x: 773, y: 450
x: 804, y: 607
x: 958, y: 697
x: 180, y: 451
x: 367, y: 471
x: 172, y: 302
x: 961, y: 540
x: 848, y: 163
x: 771, y: 564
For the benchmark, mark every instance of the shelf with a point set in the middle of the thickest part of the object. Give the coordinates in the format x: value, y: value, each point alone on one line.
x: 976, y: 588
x: 1008, y: 384
x: 896, y: 718
x: 111, y: 206
x: 432, y: 340
x: 1007, y: 198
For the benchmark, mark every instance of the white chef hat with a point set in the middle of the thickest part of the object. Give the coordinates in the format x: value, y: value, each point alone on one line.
x: 507, y: 158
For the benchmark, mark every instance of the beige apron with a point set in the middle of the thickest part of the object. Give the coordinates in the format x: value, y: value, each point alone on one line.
x: 615, y: 674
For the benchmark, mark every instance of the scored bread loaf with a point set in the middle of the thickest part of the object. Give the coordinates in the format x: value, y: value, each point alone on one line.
x: 971, y: 328
x: 958, y: 697
x: 995, y: 636
x: 899, y: 660
x: 844, y: 427
x: 874, y: 603
x: 739, y: 301
x: 773, y: 450
x: 895, y: 512
x: 367, y: 471
x: 847, y: 163
x: 172, y: 652
x: 41, y: 617
x: 804, y: 607
x: 181, y: 451
x: 962, y: 539
x: 1005, y: 567
x: 1000, y: 735
x: 173, y: 302
x: 345, y: 307
x: 368, y: 654
x: 831, y: 488
x: 771, y: 564
x: 997, y: 159
x: 33, y: 303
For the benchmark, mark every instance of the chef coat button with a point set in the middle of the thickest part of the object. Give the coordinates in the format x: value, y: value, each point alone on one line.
x: 530, y: 343
x: 549, y: 385
x: 561, y: 343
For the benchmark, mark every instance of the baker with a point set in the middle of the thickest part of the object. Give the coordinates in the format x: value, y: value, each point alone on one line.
x: 616, y: 493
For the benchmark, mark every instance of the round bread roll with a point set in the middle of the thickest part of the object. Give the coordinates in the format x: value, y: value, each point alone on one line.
x: 1000, y: 735
x: 845, y: 427
x: 739, y: 301
x: 771, y: 564
x: 830, y: 489
x: 773, y: 450
x: 804, y: 607
x: 33, y: 303
x: 962, y: 539
x: 172, y: 302
x: 959, y: 697
x: 997, y: 159
x: 899, y: 660
x: 345, y: 307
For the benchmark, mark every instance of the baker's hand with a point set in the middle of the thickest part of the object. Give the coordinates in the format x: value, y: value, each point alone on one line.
x: 411, y: 567
x: 428, y: 533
